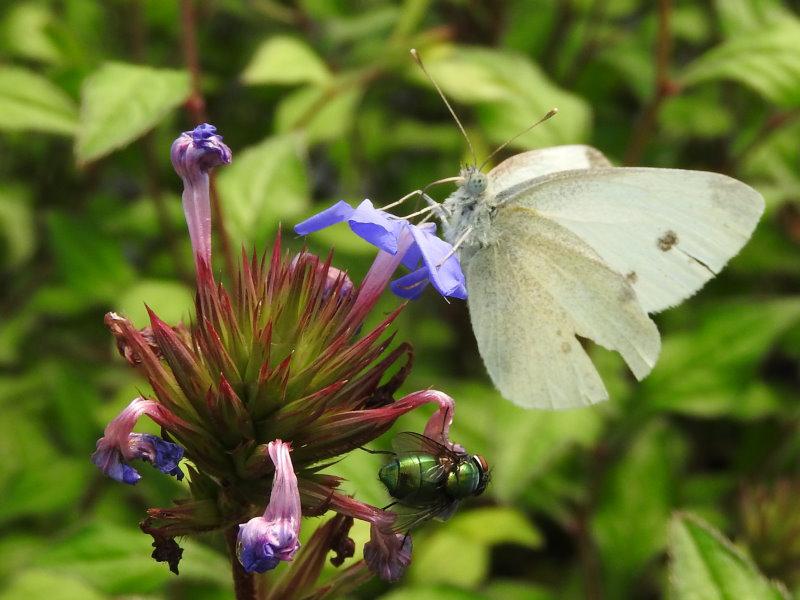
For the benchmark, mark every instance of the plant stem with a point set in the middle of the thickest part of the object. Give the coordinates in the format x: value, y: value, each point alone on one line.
x: 138, y: 33
x: 243, y: 583
x: 196, y: 107
x: 664, y: 87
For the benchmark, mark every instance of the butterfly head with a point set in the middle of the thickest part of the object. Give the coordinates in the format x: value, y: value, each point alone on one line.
x: 475, y: 182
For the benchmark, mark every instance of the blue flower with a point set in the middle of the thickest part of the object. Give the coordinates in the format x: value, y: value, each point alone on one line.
x: 119, y: 445
x: 263, y: 542
x: 440, y: 265
x: 369, y: 223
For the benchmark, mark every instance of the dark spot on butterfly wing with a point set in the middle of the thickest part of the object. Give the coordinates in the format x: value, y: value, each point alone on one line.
x: 667, y: 241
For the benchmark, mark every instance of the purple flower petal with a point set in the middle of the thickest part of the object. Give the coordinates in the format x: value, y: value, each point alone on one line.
x: 376, y: 227
x: 163, y: 455
x: 367, y: 222
x: 412, y: 285
x: 341, y: 211
x: 444, y: 268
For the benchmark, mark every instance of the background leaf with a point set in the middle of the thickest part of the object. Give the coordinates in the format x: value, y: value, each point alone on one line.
x: 768, y: 61
x: 265, y: 185
x: 706, y: 565
x: 120, y: 102
x: 285, y: 60
x: 31, y: 102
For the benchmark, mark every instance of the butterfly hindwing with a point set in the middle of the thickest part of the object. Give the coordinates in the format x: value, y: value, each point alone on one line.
x: 535, y: 289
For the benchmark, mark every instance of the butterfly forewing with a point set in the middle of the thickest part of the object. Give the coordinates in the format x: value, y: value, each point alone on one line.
x: 667, y: 231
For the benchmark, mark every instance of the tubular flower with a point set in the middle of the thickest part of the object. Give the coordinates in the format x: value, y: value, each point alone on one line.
x: 282, y: 354
x: 193, y: 154
x: 440, y: 265
x: 265, y: 541
x: 119, y: 445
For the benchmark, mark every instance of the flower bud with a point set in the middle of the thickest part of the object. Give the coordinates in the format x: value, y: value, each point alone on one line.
x: 193, y: 154
x: 387, y: 554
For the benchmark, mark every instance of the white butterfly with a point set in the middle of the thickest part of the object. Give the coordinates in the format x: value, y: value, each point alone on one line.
x: 557, y: 245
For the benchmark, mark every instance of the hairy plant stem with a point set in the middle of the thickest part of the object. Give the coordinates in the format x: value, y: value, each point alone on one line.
x: 243, y: 582
x: 196, y: 108
x: 664, y: 88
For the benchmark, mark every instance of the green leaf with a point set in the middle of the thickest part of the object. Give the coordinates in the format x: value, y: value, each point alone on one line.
x: 431, y: 592
x: 285, y: 60
x: 495, y: 525
x: 23, y: 494
x: 539, y: 439
x: 120, y: 102
x: 767, y: 61
x: 629, y: 523
x: 436, y: 555
x: 713, y: 368
x: 117, y: 560
x: 323, y: 113
x: 706, y: 566
x: 172, y: 301
x: 265, y: 184
x: 25, y: 31
x: 744, y: 17
x: 500, y: 589
x: 29, y: 102
x: 510, y: 93
x: 92, y: 264
x: 41, y: 583
x: 17, y: 234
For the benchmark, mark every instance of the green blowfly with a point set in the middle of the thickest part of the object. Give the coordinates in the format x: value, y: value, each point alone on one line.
x: 428, y: 480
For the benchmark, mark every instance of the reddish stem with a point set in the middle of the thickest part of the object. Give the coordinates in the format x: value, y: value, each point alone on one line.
x: 196, y: 107
x: 664, y: 88
x: 243, y: 583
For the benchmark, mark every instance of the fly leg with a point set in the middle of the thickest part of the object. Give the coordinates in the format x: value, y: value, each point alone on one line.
x: 376, y: 451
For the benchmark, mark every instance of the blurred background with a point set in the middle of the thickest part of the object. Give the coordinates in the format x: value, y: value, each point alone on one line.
x: 320, y: 101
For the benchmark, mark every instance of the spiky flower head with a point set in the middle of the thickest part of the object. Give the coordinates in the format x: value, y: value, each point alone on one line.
x: 282, y: 356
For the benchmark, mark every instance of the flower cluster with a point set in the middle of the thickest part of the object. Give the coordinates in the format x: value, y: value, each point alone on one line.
x: 270, y: 383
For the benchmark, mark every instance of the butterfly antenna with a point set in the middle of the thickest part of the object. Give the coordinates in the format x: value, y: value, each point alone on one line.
x: 418, y: 60
x: 553, y: 112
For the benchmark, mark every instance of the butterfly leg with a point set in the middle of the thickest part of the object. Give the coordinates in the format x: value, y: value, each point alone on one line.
x: 456, y: 246
x: 421, y: 192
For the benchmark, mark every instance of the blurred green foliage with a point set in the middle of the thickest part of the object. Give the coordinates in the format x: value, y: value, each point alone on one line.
x: 319, y: 101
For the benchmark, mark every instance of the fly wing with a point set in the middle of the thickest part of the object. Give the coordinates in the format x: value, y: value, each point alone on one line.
x: 668, y: 231
x: 409, y: 517
x: 408, y: 441
x: 538, y: 163
x: 531, y: 292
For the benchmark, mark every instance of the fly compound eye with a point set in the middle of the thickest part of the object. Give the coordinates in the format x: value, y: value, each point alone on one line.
x: 485, y: 474
x: 476, y: 184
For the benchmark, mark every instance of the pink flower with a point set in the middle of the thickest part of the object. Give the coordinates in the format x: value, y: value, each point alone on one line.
x: 193, y: 154
x: 119, y: 445
x: 265, y: 541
